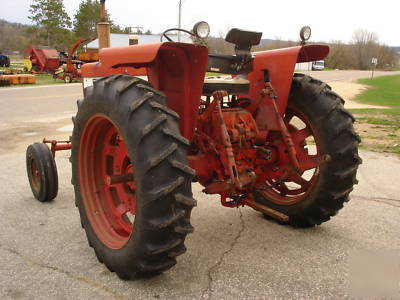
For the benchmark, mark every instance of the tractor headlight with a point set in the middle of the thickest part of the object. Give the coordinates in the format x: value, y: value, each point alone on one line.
x: 201, y: 29
x: 305, y: 33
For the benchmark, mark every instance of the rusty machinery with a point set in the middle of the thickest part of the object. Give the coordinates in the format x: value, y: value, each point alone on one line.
x: 71, y: 70
x: 266, y: 138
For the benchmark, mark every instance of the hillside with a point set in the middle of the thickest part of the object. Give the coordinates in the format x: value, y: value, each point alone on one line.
x: 13, y: 36
x: 396, y: 49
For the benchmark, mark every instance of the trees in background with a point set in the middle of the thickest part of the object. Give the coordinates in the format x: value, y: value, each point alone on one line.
x: 364, y: 45
x: 52, y: 28
x: 339, y: 56
x: 359, y: 52
x: 86, y: 19
x: 14, y: 36
x: 52, y: 22
x: 354, y: 55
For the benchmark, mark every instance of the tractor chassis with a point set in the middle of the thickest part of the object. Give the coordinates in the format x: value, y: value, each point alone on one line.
x: 243, y: 186
x: 237, y: 188
x: 235, y: 183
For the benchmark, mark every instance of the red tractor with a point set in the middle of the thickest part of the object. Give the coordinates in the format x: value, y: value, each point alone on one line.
x: 279, y: 142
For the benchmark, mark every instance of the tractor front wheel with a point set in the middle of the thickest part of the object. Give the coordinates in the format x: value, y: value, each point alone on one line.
x: 42, y: 172
x: 130, y: 174
x: 327, y: 151
x: 67, y: 78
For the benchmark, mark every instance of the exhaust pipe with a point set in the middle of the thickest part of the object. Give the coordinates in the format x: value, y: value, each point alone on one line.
x: 103, y: 27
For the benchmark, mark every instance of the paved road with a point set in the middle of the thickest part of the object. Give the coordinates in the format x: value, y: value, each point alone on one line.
x: 28, y: 114
x: 33, y: 102
x: 234, y: 253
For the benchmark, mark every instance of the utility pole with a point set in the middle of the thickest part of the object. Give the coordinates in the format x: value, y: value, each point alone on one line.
x: 181, y: 2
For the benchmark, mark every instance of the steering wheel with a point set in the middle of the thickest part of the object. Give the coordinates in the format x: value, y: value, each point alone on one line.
x: 164, y: 34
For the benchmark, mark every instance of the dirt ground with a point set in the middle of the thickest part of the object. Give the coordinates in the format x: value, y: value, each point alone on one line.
x: 33, y: 131
x: 378, y: 138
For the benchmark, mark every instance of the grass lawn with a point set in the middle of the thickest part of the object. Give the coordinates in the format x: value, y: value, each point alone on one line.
x: 385, y: 90
x: 212, y: 74
x: 380, y: 128
x: 45, y: 79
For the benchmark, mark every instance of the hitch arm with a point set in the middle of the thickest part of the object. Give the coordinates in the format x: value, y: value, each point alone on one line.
x: 232, y: 169
x: 57, y: 145
x: 287, y: 138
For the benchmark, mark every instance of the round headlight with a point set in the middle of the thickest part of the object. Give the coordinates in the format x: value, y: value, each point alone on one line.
x: 201, y: 29
x: 305, y: 33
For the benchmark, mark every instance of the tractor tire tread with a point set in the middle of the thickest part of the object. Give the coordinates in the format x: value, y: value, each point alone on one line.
x: 164, y: 223
x: 161, y: 248
x: 160, y: 157
x: 341, y: 143
x: 165, y: 109
x: 167, y: 200
x: 47, y: 169
x: 177, y: 137
x: 187, y: 201
x: 183, y: 167
x: 153, y: 125
x: 128, y: 85
x: 177, y: 251
x: 135, y: 105
x: 166, y: 189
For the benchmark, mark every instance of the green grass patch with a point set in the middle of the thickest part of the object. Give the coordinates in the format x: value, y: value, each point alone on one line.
x: 379, y: 129
x: 45, y: 79
x: 381, y: 117
x: 392, y: 112
x: 211, y: 74
x: 379, y: 121
x: 385, y: 90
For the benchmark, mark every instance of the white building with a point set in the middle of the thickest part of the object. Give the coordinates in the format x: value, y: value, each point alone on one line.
x: 305, y: 66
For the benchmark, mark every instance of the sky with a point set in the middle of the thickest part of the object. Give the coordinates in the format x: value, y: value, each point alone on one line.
x: 329, y: 20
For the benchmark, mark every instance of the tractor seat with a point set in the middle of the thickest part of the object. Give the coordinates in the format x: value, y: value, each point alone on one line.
x: 233, y: 86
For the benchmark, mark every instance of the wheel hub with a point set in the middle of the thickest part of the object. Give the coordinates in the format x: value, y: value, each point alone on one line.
x: 107, y: 184
x: 285, y: 185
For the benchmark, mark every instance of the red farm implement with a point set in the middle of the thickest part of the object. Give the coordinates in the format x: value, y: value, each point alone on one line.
x: 70, y: 71
x: 44, y: 59
x: 279, y: 142
x: 49, y: 60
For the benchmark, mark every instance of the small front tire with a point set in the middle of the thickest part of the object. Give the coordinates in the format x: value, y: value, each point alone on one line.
x: 42, y: 172
x: 67, y: 79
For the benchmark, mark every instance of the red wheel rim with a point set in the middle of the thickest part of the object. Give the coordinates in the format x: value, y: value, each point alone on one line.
x: 35, y: 175
x: 106, y: 181
x: 294, y: 187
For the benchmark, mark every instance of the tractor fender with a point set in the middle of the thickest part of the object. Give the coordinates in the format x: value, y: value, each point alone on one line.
x: 111, y: 60
x: 280, y: 64
x: 175, y: 69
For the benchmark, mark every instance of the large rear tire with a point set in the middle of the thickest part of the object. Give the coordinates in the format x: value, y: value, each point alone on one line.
x: 137, y: 224
x: 322, y: 194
